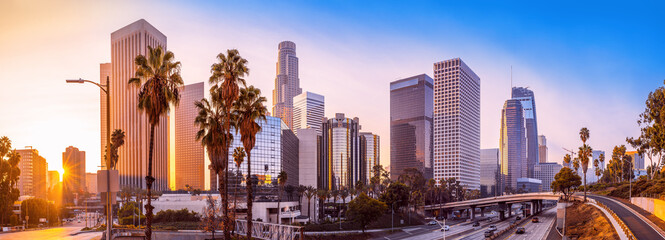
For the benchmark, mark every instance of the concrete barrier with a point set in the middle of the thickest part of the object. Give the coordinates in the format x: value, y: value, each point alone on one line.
x: 652, y: 205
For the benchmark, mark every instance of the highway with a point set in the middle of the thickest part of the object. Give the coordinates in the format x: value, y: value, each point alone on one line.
x: 463, y: 230
x: 479, y: 233
x: 535, y: 230
x: 640, y: 229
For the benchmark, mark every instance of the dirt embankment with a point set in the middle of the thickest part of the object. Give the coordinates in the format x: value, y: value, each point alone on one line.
x: 587, y: 222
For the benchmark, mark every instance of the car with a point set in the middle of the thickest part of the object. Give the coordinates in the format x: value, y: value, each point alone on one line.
x: 520, y: 230
x: 430, y: 223
x: 492, y: 228
x: 535, y: 220
x: 445, y: 228
x: 79, y: 221
x: 489, y: 233
x: 475, y: 224
x: 513, y: 221
x: 518, y: 218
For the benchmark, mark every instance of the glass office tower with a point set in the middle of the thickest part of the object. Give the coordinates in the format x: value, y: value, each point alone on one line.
x: 411, y: 109
x: 526, y: 97
x: 340, y: 163
x: 512, y: 145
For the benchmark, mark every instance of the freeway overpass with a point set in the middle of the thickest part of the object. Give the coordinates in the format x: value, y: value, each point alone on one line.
x: 534, y: 199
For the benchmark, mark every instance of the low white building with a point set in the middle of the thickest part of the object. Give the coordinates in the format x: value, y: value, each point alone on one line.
x: 264, y: 211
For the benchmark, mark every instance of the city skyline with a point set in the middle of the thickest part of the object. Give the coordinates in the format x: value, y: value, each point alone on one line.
x: 560, y: 85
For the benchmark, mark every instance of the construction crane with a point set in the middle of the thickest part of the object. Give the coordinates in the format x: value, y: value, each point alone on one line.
x: 570, y: 151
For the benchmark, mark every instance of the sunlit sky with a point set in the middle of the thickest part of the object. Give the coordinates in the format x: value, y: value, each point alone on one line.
x: 589, y: 64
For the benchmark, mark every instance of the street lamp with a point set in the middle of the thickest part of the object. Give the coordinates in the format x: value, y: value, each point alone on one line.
x: 107, y: 89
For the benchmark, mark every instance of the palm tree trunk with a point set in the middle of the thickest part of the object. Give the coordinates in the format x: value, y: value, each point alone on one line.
x: 309, y: 207
x: 221, y: 186
x: 148, y: 182
x: 584, y: 186
x: 227, y: 219
x: 249, y: 194
x: 235, y: 199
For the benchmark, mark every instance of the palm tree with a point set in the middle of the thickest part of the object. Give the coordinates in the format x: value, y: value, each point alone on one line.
x: 281, y: 180
x: 226, y: 75
x: 334, y: 194
x: 309, y: 193
x: 301, y: 192
x: 238, y: 158
x: 576, y: 164
x: 158, y: 77
x: 584, y: 154
x: 343, y: 194
x: 322, y: 194
x: 566, y: 159
x: 117, y: 140
x: 211, y: 120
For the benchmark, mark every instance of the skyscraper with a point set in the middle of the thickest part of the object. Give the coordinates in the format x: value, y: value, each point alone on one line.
x: 73, y: 162
x: 340, y: 165
x: 369, y: 154
x: 456, y: 123
x: 308, y: 111
x: 411, y: 109
x: 526, y: 97
x: 546, y: 172
x: 52, y: 179
x: 127, y: 43
x: 489, y: 172
x: 542, y: 149
x: 512, y: 145
x: 33, y: 173
x: 189, y: 156
x: 287, y: 83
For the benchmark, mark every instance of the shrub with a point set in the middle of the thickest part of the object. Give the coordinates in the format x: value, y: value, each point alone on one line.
x: 182, y: 215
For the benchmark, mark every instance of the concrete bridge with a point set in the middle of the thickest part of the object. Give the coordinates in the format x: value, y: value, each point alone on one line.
x: 535, y: 200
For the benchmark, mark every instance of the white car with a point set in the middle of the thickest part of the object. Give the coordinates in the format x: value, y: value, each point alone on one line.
x: 431, y: 223
x: 445, y: 228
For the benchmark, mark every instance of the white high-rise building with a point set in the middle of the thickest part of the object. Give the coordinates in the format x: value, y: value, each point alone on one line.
x: 308, y: 112
x: 545, y: 172
x: 127, y: 43
x: 287, y: 83
x: 456, y: 123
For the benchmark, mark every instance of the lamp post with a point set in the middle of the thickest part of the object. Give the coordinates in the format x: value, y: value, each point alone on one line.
x: 107, y: 89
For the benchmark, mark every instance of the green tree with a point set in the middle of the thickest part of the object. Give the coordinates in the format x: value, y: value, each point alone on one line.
x: 566, y: 159
x: 322, y: 195
x: 565, y: 181
x: 36, y: 208
x: 365, y: 210
x: 158, y: 79
x: 9, y: 175
x: 250, y: 109
x: 301, y: 192
x: 396, y: 195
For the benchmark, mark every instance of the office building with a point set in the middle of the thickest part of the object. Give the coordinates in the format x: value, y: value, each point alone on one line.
x: 91, y: 182
x: 33, y: 173
x: 489, y: 173
x: 276, y: 150
x: 189, y: 156
x: 527, y: 98
x: 545, y: 172
x: 340, y: 164
x: 287, y: 83
x: 369, y: 154
x: 638, y: 161
x: 411, y: 137
x: 73, y: 162
x: 308, y: 160
x: 457, y: 123
x: 528, y: 185
x: 127, y: 43
x: 308, y: 111
x: 512, y: 145
x: 52, y: 179
x: 542, y: 149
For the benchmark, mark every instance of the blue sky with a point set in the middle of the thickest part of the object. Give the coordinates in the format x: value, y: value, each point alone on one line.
x: 590, y: 64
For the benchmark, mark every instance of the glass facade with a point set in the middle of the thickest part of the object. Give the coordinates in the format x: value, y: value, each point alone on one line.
x: 340, y: 159
x: 512, y: 145
x: 267, y: 157
x: 526, y: 97
x: 411, y: 109
x: 369, y: 153
x: 189, y: 154
x: 545, y: 172
x: 489, y: 172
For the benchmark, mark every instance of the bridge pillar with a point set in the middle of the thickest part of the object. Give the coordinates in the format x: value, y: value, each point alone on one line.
x: 534, y: 207
x: 540, y: 205
x: 502, y: 211
x: 482, y: 211
x: 510, y: 209
x: 472, y: 212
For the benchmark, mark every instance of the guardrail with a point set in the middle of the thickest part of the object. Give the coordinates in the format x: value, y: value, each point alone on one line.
x: 271, y: 231
x: 625, y: 228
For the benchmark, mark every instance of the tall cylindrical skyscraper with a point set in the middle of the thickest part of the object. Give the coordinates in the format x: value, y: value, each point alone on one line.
x: 287, y: 83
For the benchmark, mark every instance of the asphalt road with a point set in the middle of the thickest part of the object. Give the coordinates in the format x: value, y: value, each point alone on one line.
x: 640, y: 229
x: 53, y: 233
x: 535, y: 230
